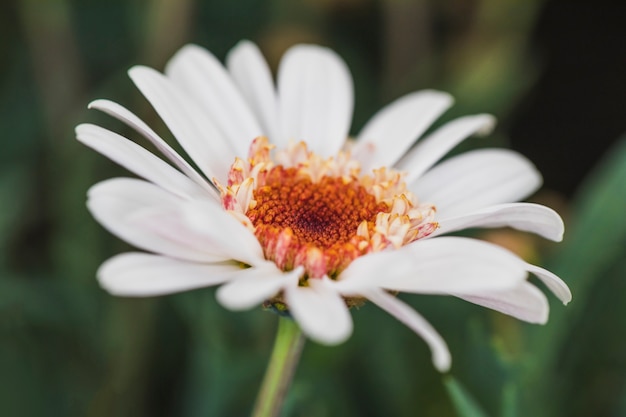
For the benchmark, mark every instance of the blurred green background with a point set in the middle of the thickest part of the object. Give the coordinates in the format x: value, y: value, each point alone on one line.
x: 551, y: 71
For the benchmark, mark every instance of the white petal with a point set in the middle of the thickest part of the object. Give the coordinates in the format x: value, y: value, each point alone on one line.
x: 221, y: 228
x: 250, y: 71
x: 320, y: 311
x: 255, y: 286
x: 315, y: 98
x: 404, y: 313
x: 525, y: 302
x: 387, y: 135
x: 221, y: 235
x: 436, y: 266
x: 192, y: 128
x: 124, y: 206
x: 204, y: 78
x: 145, y: 275
x: 432, y: 148
x: 138, y: 160
x: 528, y: 217
x: 477, y: 179
x: 553, y: 282
x: 124, y: 115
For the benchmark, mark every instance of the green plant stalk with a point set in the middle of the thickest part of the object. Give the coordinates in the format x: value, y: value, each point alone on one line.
x: 280, y: 370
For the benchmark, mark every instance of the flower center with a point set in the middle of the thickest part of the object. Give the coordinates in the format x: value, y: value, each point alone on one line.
x: 321, y: 213
x: 315, y: 224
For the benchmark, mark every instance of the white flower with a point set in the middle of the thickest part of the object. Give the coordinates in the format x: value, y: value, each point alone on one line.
x: 285, y: 210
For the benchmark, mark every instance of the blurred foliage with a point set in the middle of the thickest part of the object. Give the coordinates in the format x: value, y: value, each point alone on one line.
x: 465, y: 405
x: 69, y: 349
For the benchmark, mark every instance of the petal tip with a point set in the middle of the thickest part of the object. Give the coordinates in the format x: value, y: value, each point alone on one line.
x: 446, y: 98
x: 566, y: 298
x: 187, y: 52
x: 139, y: 71
x: 442, y: 362
x: 80, y: 130
x: 544, y: 318
x: 226, y: 300
x: 94, y: 104
x: 332, y: 338
x: 244, y: 43
x: 488, y: 124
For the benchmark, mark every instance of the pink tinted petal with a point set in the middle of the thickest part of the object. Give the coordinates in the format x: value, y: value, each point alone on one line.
x: 436, y: 266
x: 143, y: 275
x: 202, y: 141
x: 387, y: 135
x: 126, y: 116
x: 315, y: 98
x: 225, y: 239
x: 252, y: 75
x: 118, y: 205
x: 525, y: 302
x: 475, y: 180
x: 320, y: 311
x: 553, y: 282
x: 528, y: 217
x: 138, y: 160
x: 433, y: 147
x: 256, y: 285
x: 226, y: 232
x: 405, y: 314
x: 197, y: 72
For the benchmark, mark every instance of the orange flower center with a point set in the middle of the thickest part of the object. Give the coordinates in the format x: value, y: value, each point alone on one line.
x: 318, y: 221
x: 321, y: 213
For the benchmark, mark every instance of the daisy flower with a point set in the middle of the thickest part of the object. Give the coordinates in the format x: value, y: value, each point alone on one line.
x: 279, y: 207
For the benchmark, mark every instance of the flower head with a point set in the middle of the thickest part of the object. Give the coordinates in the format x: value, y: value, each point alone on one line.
x: 283, y: 209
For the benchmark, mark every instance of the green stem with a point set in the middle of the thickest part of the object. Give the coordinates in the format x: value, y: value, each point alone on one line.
x: 280, y: 370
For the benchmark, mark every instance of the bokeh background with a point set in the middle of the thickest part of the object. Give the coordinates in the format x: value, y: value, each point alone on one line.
x: 552, y: 71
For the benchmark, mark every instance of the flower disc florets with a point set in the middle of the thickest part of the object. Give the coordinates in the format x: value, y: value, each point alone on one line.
x: 321, y: 213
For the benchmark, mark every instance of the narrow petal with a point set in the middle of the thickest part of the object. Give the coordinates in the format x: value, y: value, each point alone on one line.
x: 477, y: 179
x: 252, y: 75
x: 138, y: 160
x: 124, y: 206
x: 255, y: 286
x: 202, y: 141
x: 405, y: 314
x: 203, y: 77
x: 224, y: 231
x: 528, y: 217
x: 387, y: 135
x: 143, y: 275
x: 553, y: 282
x: 433, y: 147
x: 320, y: 311
x: 315, y: 98
x: 126, y: 116
x: 436, y: 266
x: 525, y: 302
